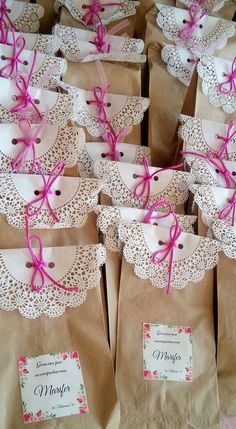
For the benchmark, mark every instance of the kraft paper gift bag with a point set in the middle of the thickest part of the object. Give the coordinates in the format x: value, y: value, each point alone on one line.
x: 67, y: 19
x: 155, y: 398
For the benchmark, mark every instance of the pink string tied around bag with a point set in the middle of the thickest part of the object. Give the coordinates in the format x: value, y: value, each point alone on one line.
x: 113, y: 138
x: 4, y: 33
x: 92, y: 17
x: 144, y: 186
x: 4, y: 15
x: 25, y: 99
x: 229, y: 210
x: 100, y: 101
x: 230, y: 84
x: 160, y: 256
x: 29, y: 139
x: 100, y: 40
x: 223, y: 150
x: 44, y: 194
x: 15, y: 59
x: 219, y: 165
x: 195, y: 16
x: 158, y: 205
x: 39, y: 265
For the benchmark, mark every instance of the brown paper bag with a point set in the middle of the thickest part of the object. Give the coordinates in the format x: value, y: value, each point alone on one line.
x: 166, y: 404
x: 67, y: 19
x: 80, y: 329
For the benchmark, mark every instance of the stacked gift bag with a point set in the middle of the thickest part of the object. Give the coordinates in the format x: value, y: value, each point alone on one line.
x: 117, y: 212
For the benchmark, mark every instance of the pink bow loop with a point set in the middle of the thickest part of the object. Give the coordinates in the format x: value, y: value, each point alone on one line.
x: 230, y: 84
x: 195, y: 16
x: 160, y: 256
x: 4, y: 15
x: 100, y: 40
x: 39, y: 266
x: 56, y: 172
x: 15, y: 59
x: 92, y: 17
x: 158, y: 205
x: 25, y: 99
x: 100, y: 101
x: 230, y: 134
x: 113, y: 139
x: 229, y: 210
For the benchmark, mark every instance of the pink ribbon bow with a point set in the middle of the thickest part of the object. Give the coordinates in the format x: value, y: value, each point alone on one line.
x: 159, y: 204
x: 229, y: 85
x: 44, y: 194
x: 229, y: 210
x: 195, y: 16
x: 94, y: 9
x: 113, y: 139
x: 160, y: 256
x: 25, y: 98
x: 144, y: 186
x: 100, y: 40
x: 100, y: 101
x: 223, y: 150
x: 15, y: 59
x: 4, y: 16
x: 29, y: 140
x: 39, y: 266
x: 219, y: 166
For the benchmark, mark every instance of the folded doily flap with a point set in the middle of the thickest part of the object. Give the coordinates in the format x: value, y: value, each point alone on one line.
x: 192, y: 255
x: 218, y: 81
x: 180, y: 62
x: 110, y: 12
x: 121, y: 179
x: 93, y: 151
x: 78, y: 45
x: 71, y: 198
x: 109, y: 218
x: 208, y: 137
x: 71, y: 266
x: 209, y: 33
x: 122, y: 111
x: 24, y: 16
x: 214, y: 172
x: 210, y: 5
x: 45, y: 43
x: 50, y: 144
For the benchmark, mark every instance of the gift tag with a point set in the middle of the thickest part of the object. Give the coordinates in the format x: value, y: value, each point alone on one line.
x: 49, y: 145
x: 108, y: 12
x: 48, y: 70
x: 52, y: 386
x: 180, y: 62
x: 208, y: 35
x: 91, y: 152
x: 122, y: 111
x: 24, y: 16
x: 78, y: 45
x: 70, y: 272
x: 167, y: 352
x: 218, y: 81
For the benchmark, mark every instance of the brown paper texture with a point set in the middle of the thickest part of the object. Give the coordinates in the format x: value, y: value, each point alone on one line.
x: 166, y: 404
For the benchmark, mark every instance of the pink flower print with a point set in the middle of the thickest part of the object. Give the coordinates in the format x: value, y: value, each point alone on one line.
x: 22, y: 360
x: 39, y: 413
x: 65, y: 356
x: 75, y: 355
x: 27, y: 417
x: 188, y: 330
x: 84, y: 409
x: 146, y: 326
x: 180, y: 330
x: 25, y: 371
x: 80, y: 400
x: 145, y: 373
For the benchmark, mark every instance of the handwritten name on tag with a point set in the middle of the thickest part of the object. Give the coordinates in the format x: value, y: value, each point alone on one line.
x: 167, y: 352
x: 51, y: 386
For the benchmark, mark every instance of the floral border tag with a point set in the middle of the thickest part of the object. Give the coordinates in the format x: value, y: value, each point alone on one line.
x: 51, y: 386
x: 167, y: 352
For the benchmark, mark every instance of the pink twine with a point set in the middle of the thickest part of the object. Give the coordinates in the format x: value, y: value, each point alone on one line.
x: 39, y: 265
x: 100, y: 101
x: 218, y: 164
x: 160, y: 256
x: 162, y: 203
x: 4, y: 17
x: 113, y: 138
x: 195, y: 15
x: 100, y: 40
x: 144, y: 184
x: 223, y: 150
x: 230, y: 207
x: 44, y: 194
x: 25, y: 98
x: 229, y: 85
x: 4, y: 33
x: 29, y: 140
x: 92, y: 16
x: 15, y: 59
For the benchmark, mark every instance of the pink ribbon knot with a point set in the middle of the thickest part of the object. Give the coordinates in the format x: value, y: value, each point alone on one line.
x: 195, y: 16
x: 92, y: 17
x: 29, y: 140
x: 113, y: 139
x: 25, y: 98
x: 56, y: 172
x: 229, y: 85
x: 229, y: 210
x: 100, y: 101
x: 100, y: 40
x: 15, y: 59
x: 230, y: 134
x: 144, y: 186
x: 39, y: 265
x: 160, y: 256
